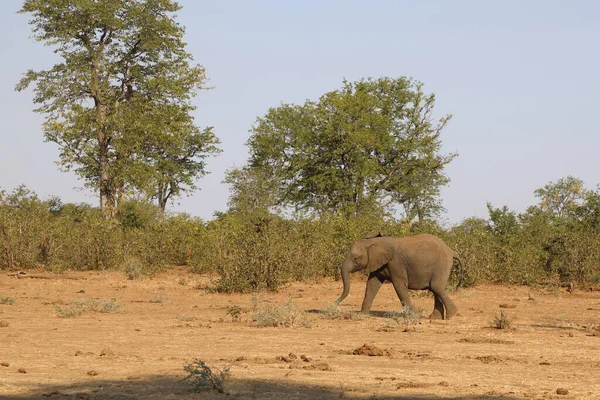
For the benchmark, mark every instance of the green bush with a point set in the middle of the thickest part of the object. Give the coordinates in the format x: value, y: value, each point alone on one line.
x: 258, y: 250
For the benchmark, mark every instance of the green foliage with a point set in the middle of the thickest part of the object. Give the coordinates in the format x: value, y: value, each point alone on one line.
x: 254, y: 249
x: 56, y: 236
x: 204, y: 377
x: 118, y: 104
x: 561, y: 198
x: 359, y: 148
x: 259, y: 250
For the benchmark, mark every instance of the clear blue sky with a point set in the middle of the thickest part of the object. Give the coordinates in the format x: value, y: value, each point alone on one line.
x: 520, y: 77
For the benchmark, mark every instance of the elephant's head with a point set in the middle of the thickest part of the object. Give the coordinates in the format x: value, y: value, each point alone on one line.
x: 371, y: 253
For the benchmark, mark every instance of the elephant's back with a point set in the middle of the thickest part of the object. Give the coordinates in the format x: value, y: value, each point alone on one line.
x: 426, y: 243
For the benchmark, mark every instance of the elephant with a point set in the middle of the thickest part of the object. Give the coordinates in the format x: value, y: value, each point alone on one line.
x: 415, y: 262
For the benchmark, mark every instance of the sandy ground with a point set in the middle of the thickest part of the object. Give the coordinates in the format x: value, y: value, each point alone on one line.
x: 165, y: 322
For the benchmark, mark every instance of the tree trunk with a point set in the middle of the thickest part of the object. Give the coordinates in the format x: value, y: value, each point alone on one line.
x: 107, y: 195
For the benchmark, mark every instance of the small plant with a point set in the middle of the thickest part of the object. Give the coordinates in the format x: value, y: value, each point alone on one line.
x: 133, y: 268
x: 159, y: 299
x: 204, y: 377
x: 502, y: 321
x: 407, y: 316
x: 333, y: 311
x: 235, y: 312
x: 67, y: 312
x: 79, y: 307
x: 7, y: 300
x: 186, y: 318
x: 287, y: 315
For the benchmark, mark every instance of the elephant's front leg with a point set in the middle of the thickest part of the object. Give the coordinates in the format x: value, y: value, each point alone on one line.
x: 401, y: 288
x: 373, y: 284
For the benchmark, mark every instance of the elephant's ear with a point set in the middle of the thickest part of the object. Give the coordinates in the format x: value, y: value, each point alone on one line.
x: 373, y: 235
x: 379, y: 255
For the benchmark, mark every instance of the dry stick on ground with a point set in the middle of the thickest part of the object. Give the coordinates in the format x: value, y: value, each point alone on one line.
x: 22, y: 274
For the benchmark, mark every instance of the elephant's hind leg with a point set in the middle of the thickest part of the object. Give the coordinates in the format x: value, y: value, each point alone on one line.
x: 373, y: 284
x: 438, y: 308
x: 439, y: 291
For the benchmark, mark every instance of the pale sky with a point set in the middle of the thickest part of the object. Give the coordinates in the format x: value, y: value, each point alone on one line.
x: 520, y: 77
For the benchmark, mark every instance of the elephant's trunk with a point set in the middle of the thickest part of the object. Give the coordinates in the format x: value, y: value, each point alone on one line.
x: 346, y: 279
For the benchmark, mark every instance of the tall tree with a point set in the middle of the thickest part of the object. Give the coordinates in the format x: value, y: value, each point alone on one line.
x: 251, y: 189
x: 125, y: 83
x: 371, y: 143
x: 563, y: 197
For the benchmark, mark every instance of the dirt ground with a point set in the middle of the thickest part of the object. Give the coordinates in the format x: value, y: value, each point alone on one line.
x: 552, y: 349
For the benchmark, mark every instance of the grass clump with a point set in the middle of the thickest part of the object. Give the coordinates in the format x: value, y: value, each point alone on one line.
x: 79, y: 307
x: 333, y: 311
x: 407, y: 316
x: 7, y: 300
x: 159, y: 299
x: 235, y: 312
x: 502, y: 321
x: 133, y: 268
x: 203, y: 377
x: 186, y: 318
x: 288, y: 315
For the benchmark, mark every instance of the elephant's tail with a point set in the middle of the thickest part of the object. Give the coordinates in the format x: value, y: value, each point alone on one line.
x: 460, y: 270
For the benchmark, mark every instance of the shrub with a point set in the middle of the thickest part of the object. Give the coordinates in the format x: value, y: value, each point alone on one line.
x: 502, y: 321
x: 407, y: 316
x: 133, y: 268
x: 204, y: 377
x: 287, y: 315
x: 235, y: 312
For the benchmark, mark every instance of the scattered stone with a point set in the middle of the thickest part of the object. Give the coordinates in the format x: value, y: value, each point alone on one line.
x: 504, y: 305
x: 489, y: 359
x: 444, y: 384
x: 81, y: 291
x: 92, y: 373
x: 304, y: 358
x: 78, y: 353
x: 241, y: 358
x: 317, y: 367
x: 107, y: 353
x: 544, y: 363
x: 562, y: 392
x: 370, y: 350
x: 4, y: 364
x: 3, y: 324
x: 288, y: 359
x: 412, y: 385
x: 22, y: 371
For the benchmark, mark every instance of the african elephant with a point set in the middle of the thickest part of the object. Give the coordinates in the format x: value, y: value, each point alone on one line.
x: 416, y: 262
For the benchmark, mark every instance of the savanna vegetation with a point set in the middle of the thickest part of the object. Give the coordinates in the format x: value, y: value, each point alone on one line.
x: 365, y: 157
x: 555, y: 241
